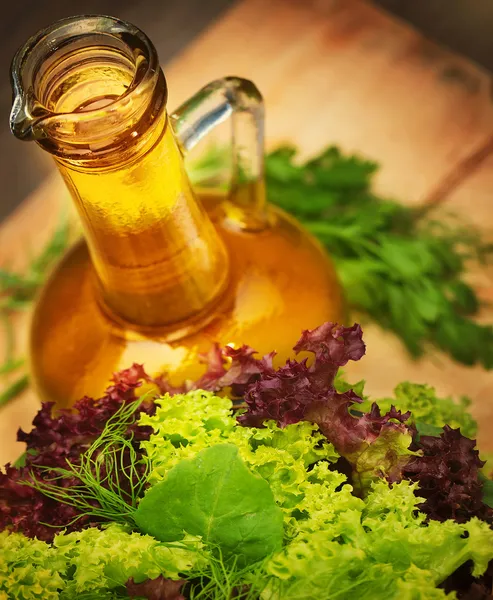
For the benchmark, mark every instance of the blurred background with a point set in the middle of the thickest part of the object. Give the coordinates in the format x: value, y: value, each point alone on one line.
x: 463, y: 25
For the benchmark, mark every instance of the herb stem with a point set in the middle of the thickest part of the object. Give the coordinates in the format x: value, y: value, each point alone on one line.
x: 14, y: 389
x: 9, y: 337
x: 10, y: 366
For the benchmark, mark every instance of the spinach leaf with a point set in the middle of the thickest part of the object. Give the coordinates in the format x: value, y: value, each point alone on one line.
x: 215, y: 496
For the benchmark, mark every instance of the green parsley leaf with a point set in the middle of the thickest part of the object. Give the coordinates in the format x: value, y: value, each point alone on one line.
x: 395, y: 263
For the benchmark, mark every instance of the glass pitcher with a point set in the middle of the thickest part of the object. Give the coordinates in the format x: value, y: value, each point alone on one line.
x: 161, y: 274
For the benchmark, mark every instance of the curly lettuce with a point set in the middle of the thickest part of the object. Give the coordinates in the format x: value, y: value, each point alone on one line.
x: 29, y: 569
x: 336, y: 545
x: 92, y: 562
x: 379, y: 549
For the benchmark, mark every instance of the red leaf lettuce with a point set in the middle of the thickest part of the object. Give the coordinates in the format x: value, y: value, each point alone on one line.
x: 57, y: 437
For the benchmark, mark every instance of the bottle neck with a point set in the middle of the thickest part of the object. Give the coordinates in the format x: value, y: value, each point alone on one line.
x: 157, y: 256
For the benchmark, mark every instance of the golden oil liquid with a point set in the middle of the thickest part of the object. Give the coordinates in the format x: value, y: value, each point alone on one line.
x: 281, y: 282
x: 157, y: 256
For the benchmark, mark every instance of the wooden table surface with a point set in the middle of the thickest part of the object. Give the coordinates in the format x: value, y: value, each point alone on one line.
x: 342, y: 72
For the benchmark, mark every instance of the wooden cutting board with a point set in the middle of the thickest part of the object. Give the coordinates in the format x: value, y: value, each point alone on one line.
x: 341, y: 72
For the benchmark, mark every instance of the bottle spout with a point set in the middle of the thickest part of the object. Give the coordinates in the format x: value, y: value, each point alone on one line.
x: 26, y: 112
x: 26, y: 117
x: 20, y: 125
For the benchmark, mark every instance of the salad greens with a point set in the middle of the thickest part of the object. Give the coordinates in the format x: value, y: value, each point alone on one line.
x: 381, y: 550
x: 377, y: 547
x: 309, y: 493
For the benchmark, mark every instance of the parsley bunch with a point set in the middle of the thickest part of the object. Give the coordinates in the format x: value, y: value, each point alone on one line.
x: 397, y: 265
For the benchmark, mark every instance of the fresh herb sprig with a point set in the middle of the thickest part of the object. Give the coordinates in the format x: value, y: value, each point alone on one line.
x: 110, y: 475
x: 17, y: 291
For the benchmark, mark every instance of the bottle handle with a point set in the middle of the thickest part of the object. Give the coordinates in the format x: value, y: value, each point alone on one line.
x: 240, y: 101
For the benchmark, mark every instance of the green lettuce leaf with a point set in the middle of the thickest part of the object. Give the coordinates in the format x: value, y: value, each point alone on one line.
x: 429, y: 412
x: 384, y: 458
x: 108, y: 558
x: 216, y: 497
x: 395, y: 533
x: 29, y: 569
